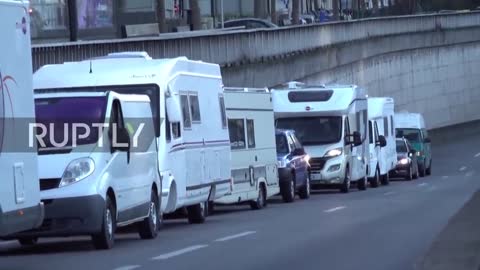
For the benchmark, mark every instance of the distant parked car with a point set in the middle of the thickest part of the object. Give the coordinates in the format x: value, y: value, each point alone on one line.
x: 407, y: 162
x: 249, y: 23
x: 293, y: 166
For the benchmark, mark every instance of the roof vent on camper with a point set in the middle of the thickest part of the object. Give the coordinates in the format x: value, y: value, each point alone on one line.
x: 143, y: 55
x: 294, y: 85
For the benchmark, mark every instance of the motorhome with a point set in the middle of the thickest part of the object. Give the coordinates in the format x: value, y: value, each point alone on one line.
x: 252, y: 140
x: 411, y: 126
x: 188, y: 111
x: 20, y: 206
x: 97, y: 165
x: 331, y: 122
x: 382, y: 145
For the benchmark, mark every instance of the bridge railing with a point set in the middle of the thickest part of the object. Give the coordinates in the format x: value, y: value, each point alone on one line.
x: 246, y: 46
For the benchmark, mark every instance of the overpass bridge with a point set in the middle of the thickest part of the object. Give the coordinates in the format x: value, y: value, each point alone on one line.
x: 428, y: 63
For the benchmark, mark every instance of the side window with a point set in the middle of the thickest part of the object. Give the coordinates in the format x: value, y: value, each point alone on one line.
x: 222, y: 111
x: 251, y: 133
x: 116, y: 119
x: 291, y: 145
x: 194, y: 107
x: 176, y: 131
x: 364, y: 124
x: 347, y: 127
x: 236, y: 129
x: 425, y: 133
x: 392, y: 125
x: 187, y: 122
x: 370, y: 132
x: 168, y: 128
x: 376, y: 132
x: 385, y: 127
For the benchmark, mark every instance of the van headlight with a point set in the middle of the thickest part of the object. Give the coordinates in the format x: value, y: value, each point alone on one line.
x: 77, y: 170
x: 334, y: 153
x: 404, y: 161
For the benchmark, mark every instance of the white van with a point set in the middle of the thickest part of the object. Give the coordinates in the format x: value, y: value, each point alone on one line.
x: 331, y: 122
x: 97, y: 165
x: 20, y: 206
x: 189, y: 119
x: 411, y: 126
x: 383, y: 152
x: 252, y: 139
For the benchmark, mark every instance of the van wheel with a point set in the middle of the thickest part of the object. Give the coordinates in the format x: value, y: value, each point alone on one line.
x: 375, y: 181
x: 287, y: 190
x: 429, y: 169
x: 211, y: 208
x: 362, y: 184
x: 197, y: 213
x: 304, y: 192
x: 106, y: 237
x: 345, y: 188
x: 386, y: 179
x: 261, y: 200
x: 148, y: 228
x: 28, y: 241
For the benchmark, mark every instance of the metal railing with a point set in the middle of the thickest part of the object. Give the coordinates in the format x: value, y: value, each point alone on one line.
x: 248, y: 46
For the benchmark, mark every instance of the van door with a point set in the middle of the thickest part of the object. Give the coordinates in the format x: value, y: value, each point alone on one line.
x: 348, y: 147
x: 378, y: 149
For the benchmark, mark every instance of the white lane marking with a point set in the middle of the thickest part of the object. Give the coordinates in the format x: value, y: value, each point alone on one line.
x: 463, y: 168
x: 178, y: 252
x: 422, y: 184
x: 388, y: 193
x: 445, y: 177
x: 477, y: 155
x: 128, y: 267
x: 469, y: 173
x: 235, y: 236
x: 331, y: 210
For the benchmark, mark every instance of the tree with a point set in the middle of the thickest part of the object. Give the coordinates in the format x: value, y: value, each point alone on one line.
x: 162, y: 23
x: 195, y: 15
x: 316, y: 5
x: 335, y: 9
x: 273, y: 11
x: 375, y: 7
x: 296, y: 11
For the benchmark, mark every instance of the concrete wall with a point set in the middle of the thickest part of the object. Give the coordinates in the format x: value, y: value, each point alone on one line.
x: 443, y: 83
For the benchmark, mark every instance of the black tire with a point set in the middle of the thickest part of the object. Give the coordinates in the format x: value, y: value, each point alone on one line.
x: 409, y: 175
x: 345, y: 188
x: 105, y: 239
x: 261, y: 200
x: 304, y: 192
x: 375, y: 181
x: 197, y: 213
x: 211, y: 208
x: 386, y: 179
x: 287, y: 190
x: 28, y: 241
x: 362, y: 184
x: 148, y: 228
x: 429, y: 169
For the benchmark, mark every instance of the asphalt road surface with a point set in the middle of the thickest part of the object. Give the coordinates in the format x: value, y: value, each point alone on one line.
x: 387, y: 228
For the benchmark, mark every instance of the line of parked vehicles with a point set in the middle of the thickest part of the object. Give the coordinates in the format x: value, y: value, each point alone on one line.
x: 166, y: 137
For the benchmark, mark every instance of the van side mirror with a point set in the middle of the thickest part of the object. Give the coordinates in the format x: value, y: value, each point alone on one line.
x: 427, y: 140
x: 173, y: 109
x: 382, y: 142
x: 357, y: 139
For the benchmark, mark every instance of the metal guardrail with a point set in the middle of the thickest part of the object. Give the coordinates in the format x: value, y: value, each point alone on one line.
x: 246, y: 46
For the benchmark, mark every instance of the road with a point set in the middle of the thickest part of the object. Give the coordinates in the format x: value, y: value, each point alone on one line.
x: 379, y: 229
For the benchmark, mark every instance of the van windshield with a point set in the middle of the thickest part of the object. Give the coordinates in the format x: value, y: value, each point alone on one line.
x: 282, y: 144
x: 411, y: 134
x: 314, y: 130
x: 401, y: 147
x: 57, y: 116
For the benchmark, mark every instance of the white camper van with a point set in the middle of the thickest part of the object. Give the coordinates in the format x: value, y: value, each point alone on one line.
x: 252, y: 139
x: 331, y: 123
x: 97, y: 165
x: 383, y: 152
x: 20, y: 206
x: 188, y: 110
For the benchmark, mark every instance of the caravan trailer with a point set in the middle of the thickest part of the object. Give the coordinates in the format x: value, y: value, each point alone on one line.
x: 20, y: 206
x: 381, y: 139
x: 252, y: 139
x: 188, y: 110
x: 331, y: 122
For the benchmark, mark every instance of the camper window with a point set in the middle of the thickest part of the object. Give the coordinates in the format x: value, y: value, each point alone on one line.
x: 385, y: 126
x: 236, y: 128
x: 222, y: 111
x: 392, y: 126
x: 370, y: 132
x: 251, y: 133
x: 376, y: 132
x: 194, y: 107
x: 172, y: 130
x: 187, y: 122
